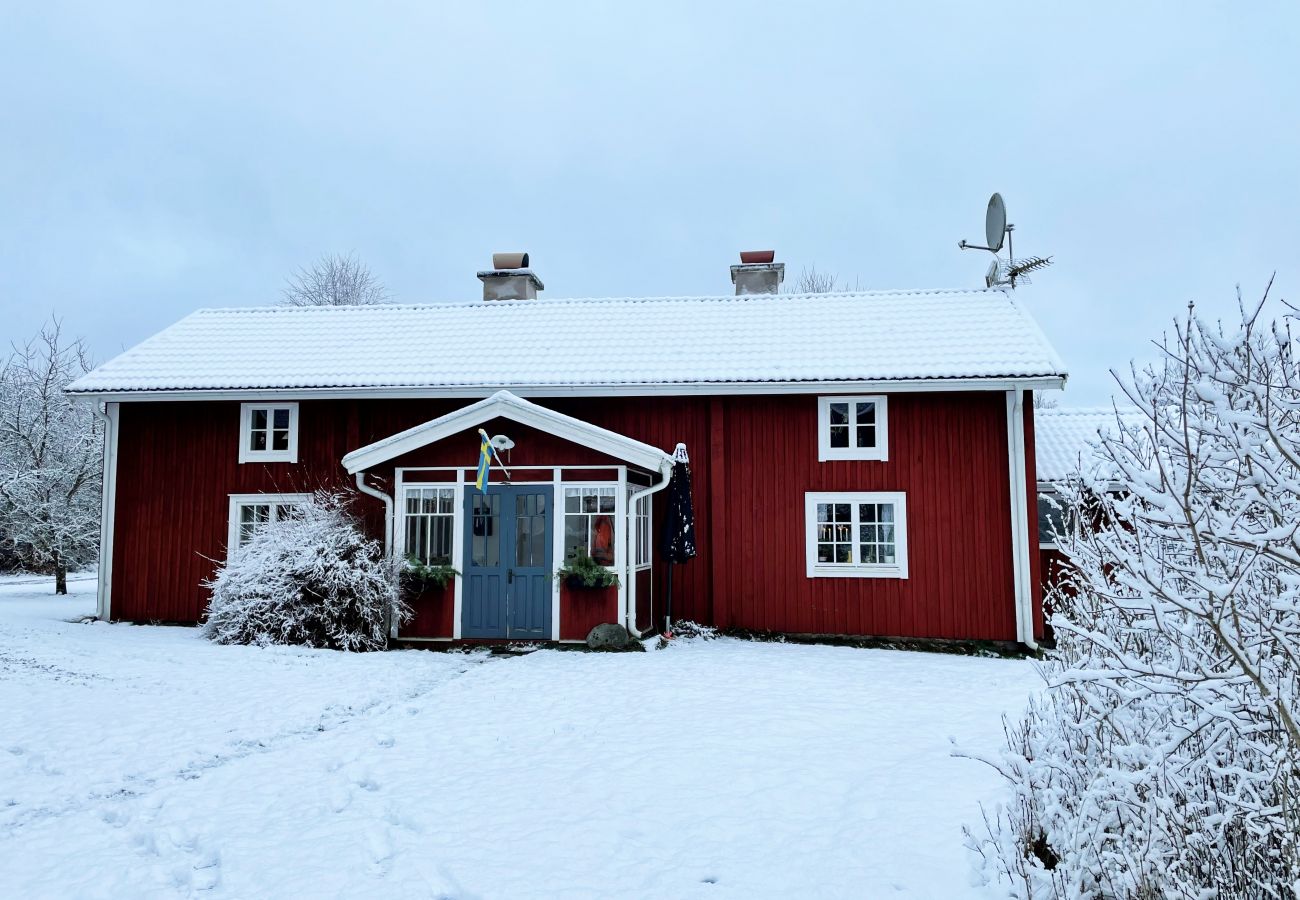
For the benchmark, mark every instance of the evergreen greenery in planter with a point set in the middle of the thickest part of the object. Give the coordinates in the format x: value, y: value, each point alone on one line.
x: 584, y: 573
x: 438, y: 575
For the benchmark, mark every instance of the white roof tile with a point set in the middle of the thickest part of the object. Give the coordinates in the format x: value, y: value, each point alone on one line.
x: 1065, y: 439
x: 591, y: 343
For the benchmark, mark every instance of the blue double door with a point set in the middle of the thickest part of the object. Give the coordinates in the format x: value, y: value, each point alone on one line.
x: 507, y: 575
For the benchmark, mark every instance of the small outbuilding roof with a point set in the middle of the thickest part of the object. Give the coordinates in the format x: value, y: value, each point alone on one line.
x: 1065, y: 439
x: 611, y: 345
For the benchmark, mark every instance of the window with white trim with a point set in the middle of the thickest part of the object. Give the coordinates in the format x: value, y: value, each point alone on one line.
x: 251, y: 512
x: 643, y: 534
x: 856, y: 535
x: 268, y: 432
x: 429, y: 523
x: 589, y: 523
x: 852, y: 428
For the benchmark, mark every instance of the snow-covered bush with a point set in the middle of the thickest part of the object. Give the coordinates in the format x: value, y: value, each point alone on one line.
x: 311, y: 578
x: 1164, y: 760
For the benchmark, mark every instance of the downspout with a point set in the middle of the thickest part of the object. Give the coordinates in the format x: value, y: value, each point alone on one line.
x: 1020, y: 518
x: 108, y: 498
x: 388, y: 528
x: 388, y: 510
x: 665, y: 470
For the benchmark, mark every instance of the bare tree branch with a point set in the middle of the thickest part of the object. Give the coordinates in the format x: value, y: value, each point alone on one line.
x: 334, y: 280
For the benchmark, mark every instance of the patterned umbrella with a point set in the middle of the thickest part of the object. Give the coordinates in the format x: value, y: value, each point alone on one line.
x: 678, y: 545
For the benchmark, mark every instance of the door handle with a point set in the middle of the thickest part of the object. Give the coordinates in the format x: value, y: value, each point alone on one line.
x: 510, y: 576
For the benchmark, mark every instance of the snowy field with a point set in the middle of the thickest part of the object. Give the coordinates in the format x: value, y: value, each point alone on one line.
x: 146, y: 762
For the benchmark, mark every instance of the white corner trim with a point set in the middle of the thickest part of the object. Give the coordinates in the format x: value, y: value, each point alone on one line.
x: 1017, y: 473
x: 506, y: 405
x: 107, y: 510
x: 249, y: 455
x: 814, y: 569
x: 238, y: 500
x: 826, y: 452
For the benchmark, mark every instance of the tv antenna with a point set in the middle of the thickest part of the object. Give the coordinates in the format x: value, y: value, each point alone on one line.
x: 997, y: 231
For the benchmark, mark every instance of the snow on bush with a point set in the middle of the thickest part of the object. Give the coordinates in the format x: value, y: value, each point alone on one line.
x: 1163, y: 760
x: 312, y: 578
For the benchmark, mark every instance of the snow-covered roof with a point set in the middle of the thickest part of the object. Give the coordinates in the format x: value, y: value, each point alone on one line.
x: 578, y: 344
x: 1065, y: 439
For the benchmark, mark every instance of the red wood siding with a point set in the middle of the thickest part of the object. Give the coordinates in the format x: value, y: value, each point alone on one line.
x: 582, y: 610
x: 433, y: 612
x: 752, y: 460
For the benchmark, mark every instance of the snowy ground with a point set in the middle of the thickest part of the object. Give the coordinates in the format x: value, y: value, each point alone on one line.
x: 143, y: 761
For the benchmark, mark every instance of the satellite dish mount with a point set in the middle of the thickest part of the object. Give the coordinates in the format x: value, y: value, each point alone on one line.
x: 997, y: 231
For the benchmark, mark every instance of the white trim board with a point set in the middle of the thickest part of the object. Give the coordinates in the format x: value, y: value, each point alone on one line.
x: 998, y: 383
x: 108, y: 511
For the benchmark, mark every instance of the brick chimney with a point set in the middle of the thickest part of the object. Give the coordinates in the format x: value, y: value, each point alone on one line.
x: 757, y: 273
x: 510, y: 278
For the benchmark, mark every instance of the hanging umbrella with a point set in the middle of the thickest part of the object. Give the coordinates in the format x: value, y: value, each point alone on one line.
x: 678, y: 544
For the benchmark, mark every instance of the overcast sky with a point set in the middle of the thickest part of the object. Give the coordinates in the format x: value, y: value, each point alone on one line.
x: 155, y: 159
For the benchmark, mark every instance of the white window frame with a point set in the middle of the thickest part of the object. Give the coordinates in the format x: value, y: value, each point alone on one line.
x: 620, y: 503
x: 246, y: 453
x: 642, y: 515
x: 817, y: 569
x: 238, y: 501
x: 403, y: 515
x: 826, y: 452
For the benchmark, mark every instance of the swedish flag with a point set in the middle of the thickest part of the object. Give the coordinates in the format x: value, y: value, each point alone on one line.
x: 484, y: 460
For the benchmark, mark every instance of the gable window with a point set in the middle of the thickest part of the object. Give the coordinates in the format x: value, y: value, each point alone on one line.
x: 268, y: 432
x: 856, y: 535
x: 852, y: 428
x: 430, y: 521
x: 251, y: 512
x: 589, y: 523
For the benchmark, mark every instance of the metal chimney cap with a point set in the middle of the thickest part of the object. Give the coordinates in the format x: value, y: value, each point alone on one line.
x: 750, y: 257
x: 509, y: 260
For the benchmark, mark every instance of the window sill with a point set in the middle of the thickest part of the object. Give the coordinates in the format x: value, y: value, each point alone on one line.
x: 255, y: 456
x: 835, y: 454
x: 857, y: 572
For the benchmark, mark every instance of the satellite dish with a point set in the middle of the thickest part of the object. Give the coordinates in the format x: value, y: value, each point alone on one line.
x: 993, y: 275
x: 501, y: 442
x: 995, y: 223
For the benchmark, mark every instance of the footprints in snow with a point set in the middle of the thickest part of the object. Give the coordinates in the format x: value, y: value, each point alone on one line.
x: 354, y: 781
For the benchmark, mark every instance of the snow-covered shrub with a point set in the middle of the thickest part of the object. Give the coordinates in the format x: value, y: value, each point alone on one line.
x: 311, y: 578
x: 1164, y: 760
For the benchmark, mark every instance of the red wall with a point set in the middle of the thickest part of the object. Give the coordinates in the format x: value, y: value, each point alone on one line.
x: 753, y: 457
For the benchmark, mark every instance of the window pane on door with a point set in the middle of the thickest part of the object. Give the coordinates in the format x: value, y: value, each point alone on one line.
x: 530, y: 530
x: 485, y: 550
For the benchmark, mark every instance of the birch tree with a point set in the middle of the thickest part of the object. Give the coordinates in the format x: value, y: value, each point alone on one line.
x: 51, y: 456
x: 1164, y: 758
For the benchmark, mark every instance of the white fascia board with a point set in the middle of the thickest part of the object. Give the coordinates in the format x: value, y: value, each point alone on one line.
x: 505, y: 405
x: 643, y: 389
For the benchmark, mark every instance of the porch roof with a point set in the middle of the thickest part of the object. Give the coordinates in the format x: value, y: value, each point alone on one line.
x: 506, y: 405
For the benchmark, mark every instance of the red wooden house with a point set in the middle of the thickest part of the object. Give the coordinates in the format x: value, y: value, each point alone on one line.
x: 863, y: 462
